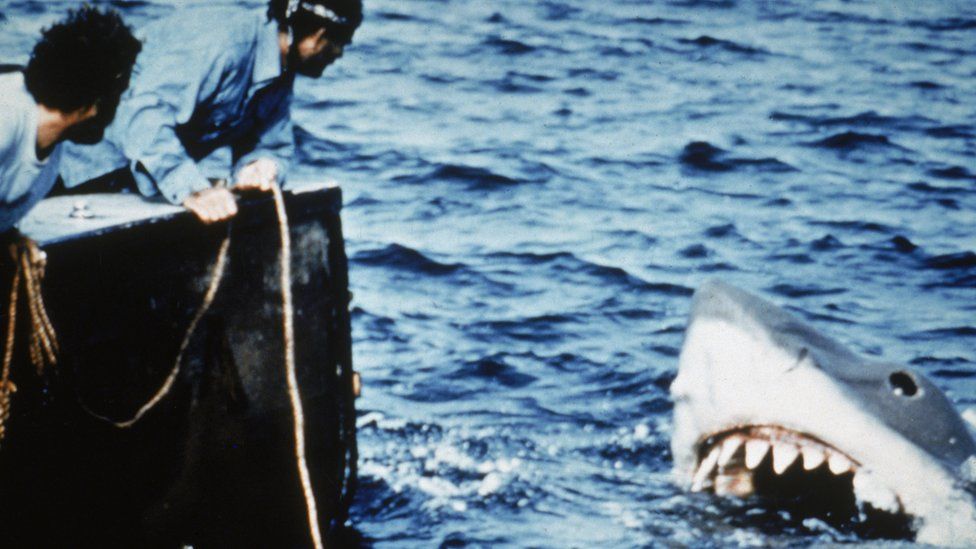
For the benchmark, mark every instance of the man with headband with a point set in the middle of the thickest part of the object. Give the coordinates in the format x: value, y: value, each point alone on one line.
x: 214, y: 81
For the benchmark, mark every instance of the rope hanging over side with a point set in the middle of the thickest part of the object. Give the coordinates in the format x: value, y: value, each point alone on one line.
x: 216, y: 277
x: 293, y: 391
x: 30, y: 262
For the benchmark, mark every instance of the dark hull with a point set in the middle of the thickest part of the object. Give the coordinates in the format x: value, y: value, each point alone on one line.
x: 213, y: 465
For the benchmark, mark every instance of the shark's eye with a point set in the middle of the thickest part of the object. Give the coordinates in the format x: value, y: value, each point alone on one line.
x: 902, y: 384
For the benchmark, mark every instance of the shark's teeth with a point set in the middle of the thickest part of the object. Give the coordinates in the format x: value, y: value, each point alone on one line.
x: 731, y: 459
x: 813, y: 457
x: 783, y: 456
x: 705, y: 470
x: 839, y: 464
x: 729, y: 448
x: 755, y: 452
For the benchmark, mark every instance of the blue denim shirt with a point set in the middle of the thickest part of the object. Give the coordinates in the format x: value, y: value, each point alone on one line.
x: 206, y: 79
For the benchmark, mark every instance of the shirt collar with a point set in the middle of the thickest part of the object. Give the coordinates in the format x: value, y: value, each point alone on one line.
x: 267, y: 64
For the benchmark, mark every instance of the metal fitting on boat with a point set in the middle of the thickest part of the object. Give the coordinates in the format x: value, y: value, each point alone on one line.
x: 80, y: 210
x: 357, y: 385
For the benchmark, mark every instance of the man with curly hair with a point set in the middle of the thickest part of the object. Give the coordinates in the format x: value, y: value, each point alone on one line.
x: 69, y: 90
x: 215, y: 82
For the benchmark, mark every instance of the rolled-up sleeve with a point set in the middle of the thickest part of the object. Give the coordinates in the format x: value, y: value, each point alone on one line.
x: 162, y: 96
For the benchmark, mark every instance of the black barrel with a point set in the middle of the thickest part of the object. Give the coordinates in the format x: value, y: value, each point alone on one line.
x: 213, y: 465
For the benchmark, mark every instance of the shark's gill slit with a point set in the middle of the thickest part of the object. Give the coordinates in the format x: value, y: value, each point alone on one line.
x: 903, y: 384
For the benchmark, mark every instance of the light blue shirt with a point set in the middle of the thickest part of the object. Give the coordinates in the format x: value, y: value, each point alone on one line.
x: 206, y: 79
x: 24, y: 178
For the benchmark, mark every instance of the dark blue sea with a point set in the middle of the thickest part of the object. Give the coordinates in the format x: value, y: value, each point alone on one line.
x: 534, y: 189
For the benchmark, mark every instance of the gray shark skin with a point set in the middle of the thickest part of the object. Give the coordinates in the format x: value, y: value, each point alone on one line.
x: 762, y: 395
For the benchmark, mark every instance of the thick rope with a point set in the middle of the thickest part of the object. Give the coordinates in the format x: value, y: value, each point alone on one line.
x: 293, y: 391
x: 30, y: 262
x: 7, y: 387
x: 43, y: 339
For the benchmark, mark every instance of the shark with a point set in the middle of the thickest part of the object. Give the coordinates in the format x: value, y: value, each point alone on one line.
x: 767, y: 406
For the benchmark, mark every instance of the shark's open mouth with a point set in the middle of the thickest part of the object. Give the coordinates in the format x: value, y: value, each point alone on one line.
x: 772, y: 461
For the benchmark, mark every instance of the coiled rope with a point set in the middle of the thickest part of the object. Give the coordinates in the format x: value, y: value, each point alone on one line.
x: 298, y: 415
x: 30, y: 262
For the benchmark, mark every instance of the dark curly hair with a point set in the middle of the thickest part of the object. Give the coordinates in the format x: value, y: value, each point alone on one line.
x: 304, y: 23
x: 84, y: 60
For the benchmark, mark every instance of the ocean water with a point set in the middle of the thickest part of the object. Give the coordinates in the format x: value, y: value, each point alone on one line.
x: 534, y: 189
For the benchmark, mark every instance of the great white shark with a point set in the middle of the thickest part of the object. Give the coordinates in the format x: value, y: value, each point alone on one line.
x: 764, y: 404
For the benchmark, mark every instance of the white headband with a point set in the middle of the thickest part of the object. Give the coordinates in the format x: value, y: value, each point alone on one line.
x: 317, y: 9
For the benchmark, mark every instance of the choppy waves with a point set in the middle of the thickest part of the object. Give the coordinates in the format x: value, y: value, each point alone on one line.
x: 575, y: 192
